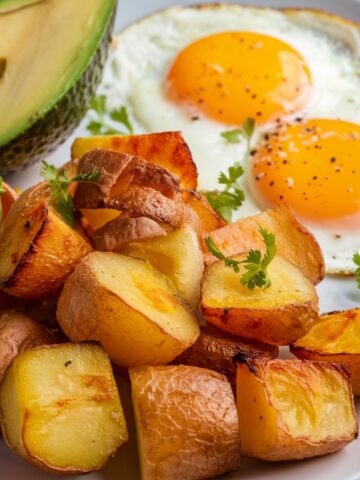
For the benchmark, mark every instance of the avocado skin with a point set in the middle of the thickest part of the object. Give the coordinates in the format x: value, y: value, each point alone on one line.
x: 52, y: 129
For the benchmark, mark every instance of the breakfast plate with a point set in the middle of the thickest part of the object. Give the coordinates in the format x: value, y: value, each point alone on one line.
x: 334, y: 294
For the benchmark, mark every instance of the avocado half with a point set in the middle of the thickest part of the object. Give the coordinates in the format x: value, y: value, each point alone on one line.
x: 52, y: 53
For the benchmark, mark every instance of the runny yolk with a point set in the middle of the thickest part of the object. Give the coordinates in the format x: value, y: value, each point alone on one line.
x: 231, y: 76
x: 313, y: 166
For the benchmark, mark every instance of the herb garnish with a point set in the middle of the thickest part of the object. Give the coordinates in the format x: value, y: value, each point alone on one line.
x: 2, y: 190
x: 356, y: 260
x: 255, y: 263
x: 61, y: 199
x: 246, y: 131
x: 101, y: 125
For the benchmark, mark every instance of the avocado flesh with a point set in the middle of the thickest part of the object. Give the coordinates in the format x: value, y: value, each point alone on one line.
x: 54, y: 52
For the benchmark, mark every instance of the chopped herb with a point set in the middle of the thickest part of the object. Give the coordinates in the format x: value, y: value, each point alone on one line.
x: 233, y: 136
x: 356, y: 260
x: 2, y: 190
x: 101, y: 126
x: 61, y: 199
x: 255, y: 263
x: 246, y: 131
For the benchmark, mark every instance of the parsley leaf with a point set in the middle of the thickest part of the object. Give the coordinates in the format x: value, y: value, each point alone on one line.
x: 356, y: 260
x: 232, y: 136
x: 246, y: 131
x: 101, y: 126
x: 2, y: 190
x: 61, y: 199
x: 255, y: 263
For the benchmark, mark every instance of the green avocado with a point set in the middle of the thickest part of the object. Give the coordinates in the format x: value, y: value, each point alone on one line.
x: 52, y: 53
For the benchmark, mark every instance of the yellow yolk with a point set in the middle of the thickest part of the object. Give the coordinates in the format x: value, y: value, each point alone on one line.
x: 313, y: 166
x: 231, y: 76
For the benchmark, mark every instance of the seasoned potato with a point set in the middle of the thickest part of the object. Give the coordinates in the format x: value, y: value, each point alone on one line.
x: 38, y: 250
x: 278, y: 315
x: 334, y: 338
x: 19, y: 333
x: 167, y: 149
x: 187, y: 425
x: 128, y: 306
x: 7, y: 199
x: 60, y: 408
x: 294, y: 242
x: 293, y: 409
x: 216, y: 350
x: 178, y: 256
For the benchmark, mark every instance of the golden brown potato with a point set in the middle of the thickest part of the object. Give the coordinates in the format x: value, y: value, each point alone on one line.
x: 187, y: 426
x: 334, y: 338
x: 133, y: 310
x: 274, y: 315
x: 94, y: 219
x: 7, y: 199
x: 178, y: 256
x: 38, y: 250
x: 199, y: 213
x: 294, y: 242
x: 216, y: 350
x: 60, y: 408
x: 19, y: 333
x: 167, y: 149
x: 293, y: 409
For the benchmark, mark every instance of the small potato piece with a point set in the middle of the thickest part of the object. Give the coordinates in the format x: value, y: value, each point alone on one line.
x: 199, y: 213
x: 178, y: 256
x: 7, y: 199
x: 38, y: 250
x: 187, y: 425
x: 133, y: 310
x: 60, y: 408
x: 274, y: 315
x: 19, y: 333
x: 334, y: 338
x: 216, y: 350
x: 293, y: 241
x: 293, y: 409
x: 167, y: 149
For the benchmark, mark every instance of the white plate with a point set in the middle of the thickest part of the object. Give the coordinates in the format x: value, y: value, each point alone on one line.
x: 334, y: 294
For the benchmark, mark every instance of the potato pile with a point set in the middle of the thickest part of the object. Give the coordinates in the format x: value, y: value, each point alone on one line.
x: 134, y: 287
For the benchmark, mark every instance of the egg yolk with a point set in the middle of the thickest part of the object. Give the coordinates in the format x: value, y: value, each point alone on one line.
x: 231, y: 76
x: 313, y: 166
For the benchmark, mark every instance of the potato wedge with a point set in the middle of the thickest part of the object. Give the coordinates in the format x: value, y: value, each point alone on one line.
x: 178, y: 256
x: 60, y: 408
x: 7, y: 199
x: 186, y: 420
x: 167, y: 149
x: 216, y: 350
x: 293, y: 409
x: 133, y: 310
x: 19, y: 333
x: 334, y: 338
x: 38, y: 250
x: 275, y: 315
x: 294, y: 242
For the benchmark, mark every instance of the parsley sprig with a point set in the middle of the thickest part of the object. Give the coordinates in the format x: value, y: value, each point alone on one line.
x: 61, y: 199
x: 2, y: 190
x: 101, y: 125
x: 255, y: 264
x: 232, y: 197
x: 237, y: 134
x: 356, y: 260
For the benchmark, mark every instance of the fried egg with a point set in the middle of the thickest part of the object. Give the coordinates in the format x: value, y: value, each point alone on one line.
x: 205, y: 70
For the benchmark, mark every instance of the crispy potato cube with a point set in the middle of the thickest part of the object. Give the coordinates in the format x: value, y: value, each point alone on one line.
x: 334, y: 338
x: 293, y: 409
x: 294, y: 242
x: 216, y: 350
x: 178, y: 256
x: 274, y: 315
x: 7, y: 199
x: 187, y: 425
x: 38, y: 250
x: 167, y: 149
x: 60, y: 408
x: 129, y: 307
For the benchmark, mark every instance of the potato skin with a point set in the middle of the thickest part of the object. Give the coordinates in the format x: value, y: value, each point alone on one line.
x: 7, y: 199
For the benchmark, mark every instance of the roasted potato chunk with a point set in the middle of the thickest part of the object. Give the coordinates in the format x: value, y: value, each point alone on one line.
x: 178, y: 256
x: 274, y: 315
x: 60, y: 408
x: 293, y: 241
x: 334, y: 338
x: 216, y: 350
x: 195, y: 409
x: 38, y: 250
x: 128, y: 306
x: 7, y: 199
x: 167, y: 149
x: 293, y: 409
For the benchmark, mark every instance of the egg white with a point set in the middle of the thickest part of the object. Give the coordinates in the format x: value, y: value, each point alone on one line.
x: 142, y: 54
